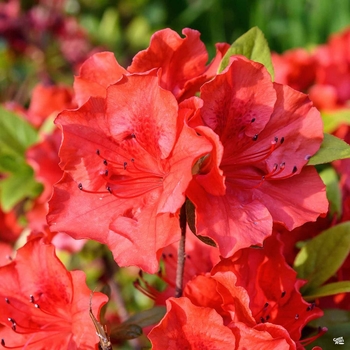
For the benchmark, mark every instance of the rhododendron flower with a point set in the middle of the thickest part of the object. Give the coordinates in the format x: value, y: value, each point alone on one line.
x: 181, y: 63
x: 296, y: 68
x: 267, y: 134
x: 44, y: 306
x: 48, y: 100
x: 128, y: 161
x: 251, y: 300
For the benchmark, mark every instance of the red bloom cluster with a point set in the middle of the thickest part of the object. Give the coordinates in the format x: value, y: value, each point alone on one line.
x: 240, y: 303
x: 135, y: 149
x: 140, y: 149
x: 42, y: 305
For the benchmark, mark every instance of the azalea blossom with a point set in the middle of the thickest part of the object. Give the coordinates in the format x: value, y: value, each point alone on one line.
x: 181, y: 64
x: 265, y: 133
x: 128, y: 162
x: 241, y: 303
x: 44, y: 306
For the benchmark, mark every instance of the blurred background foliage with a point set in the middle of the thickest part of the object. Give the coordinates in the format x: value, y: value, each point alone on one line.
x: 40, y: 31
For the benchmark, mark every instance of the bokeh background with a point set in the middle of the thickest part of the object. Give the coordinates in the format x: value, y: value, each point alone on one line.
x: 57, y: 35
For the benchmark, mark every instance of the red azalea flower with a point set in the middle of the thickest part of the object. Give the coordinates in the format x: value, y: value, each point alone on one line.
x: 333, y: 68
x: 127, y: 163
x: 296, y: 68
x: 268, y: 132
x: 48, y: 100
x: 254, y: 295
x: 182, y: 61
x: 43, y: 157
x: 44, y: 306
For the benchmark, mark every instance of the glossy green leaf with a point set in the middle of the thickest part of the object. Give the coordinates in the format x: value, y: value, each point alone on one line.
x: 322, y: 256
x: 252, y: 45
x: 16, y: 134
x: 332, y: 148
x: 332, y: 120
x: 328, y: 289
x: 330, y: 178
x: 18, y: 186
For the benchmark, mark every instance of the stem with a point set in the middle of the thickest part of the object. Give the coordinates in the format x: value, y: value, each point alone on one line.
x: 181, y: 254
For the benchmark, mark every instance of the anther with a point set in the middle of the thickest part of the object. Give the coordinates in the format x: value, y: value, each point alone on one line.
x: 106, y: 173
x: 253, y: 120
x: 109, y: 189
x: 262, y: 320
x: 7, y: 300
x: 3, y: 342
x: 266, y: 305
x: 124, y: 165
x: 98, y: 152
x: 296, y: 316
x: 80, y: 186
x: 31, y: 299
x: 255, y: 137
x: 37, y: 306
x: 276, y: 139
x: 282, y: 140
x: 105, y: 162
x: 294, y: 169
x: 283, y: 294
x: 13, y: 323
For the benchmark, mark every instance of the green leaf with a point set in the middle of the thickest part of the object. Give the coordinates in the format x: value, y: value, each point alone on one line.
x: 132, y: 328
x: 330, y: 178
x: 252, y: 45
x: 332, y: 148
x: 16, y: 134
x: 328, y: 289
x: 332, y: 120
x: 322, y: 256
x: 18, y: 186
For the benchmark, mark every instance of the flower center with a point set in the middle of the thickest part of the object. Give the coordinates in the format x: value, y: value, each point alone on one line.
x: 126, y: 177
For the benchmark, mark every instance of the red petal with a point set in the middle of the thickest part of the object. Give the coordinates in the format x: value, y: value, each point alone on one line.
x: 95, y: 75
x: 186, y: 326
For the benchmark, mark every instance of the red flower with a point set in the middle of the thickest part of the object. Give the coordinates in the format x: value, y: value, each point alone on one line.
x: 268, y: 133
x: 182, y: 61
x: 47, y: 101
x: 296, y: 68
x: 44, y: 306
x: 127, y: 163
x: 252, y: 300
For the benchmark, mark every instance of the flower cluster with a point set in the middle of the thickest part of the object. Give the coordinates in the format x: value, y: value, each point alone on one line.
x: 168, y: 148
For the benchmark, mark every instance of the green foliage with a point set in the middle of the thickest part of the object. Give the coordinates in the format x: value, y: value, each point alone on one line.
x: 330, y: 178
x: 252, y: 45
x: 16, y: 135
x: 322, y: 256
x: 332, y: 148
x: 332, y: 120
